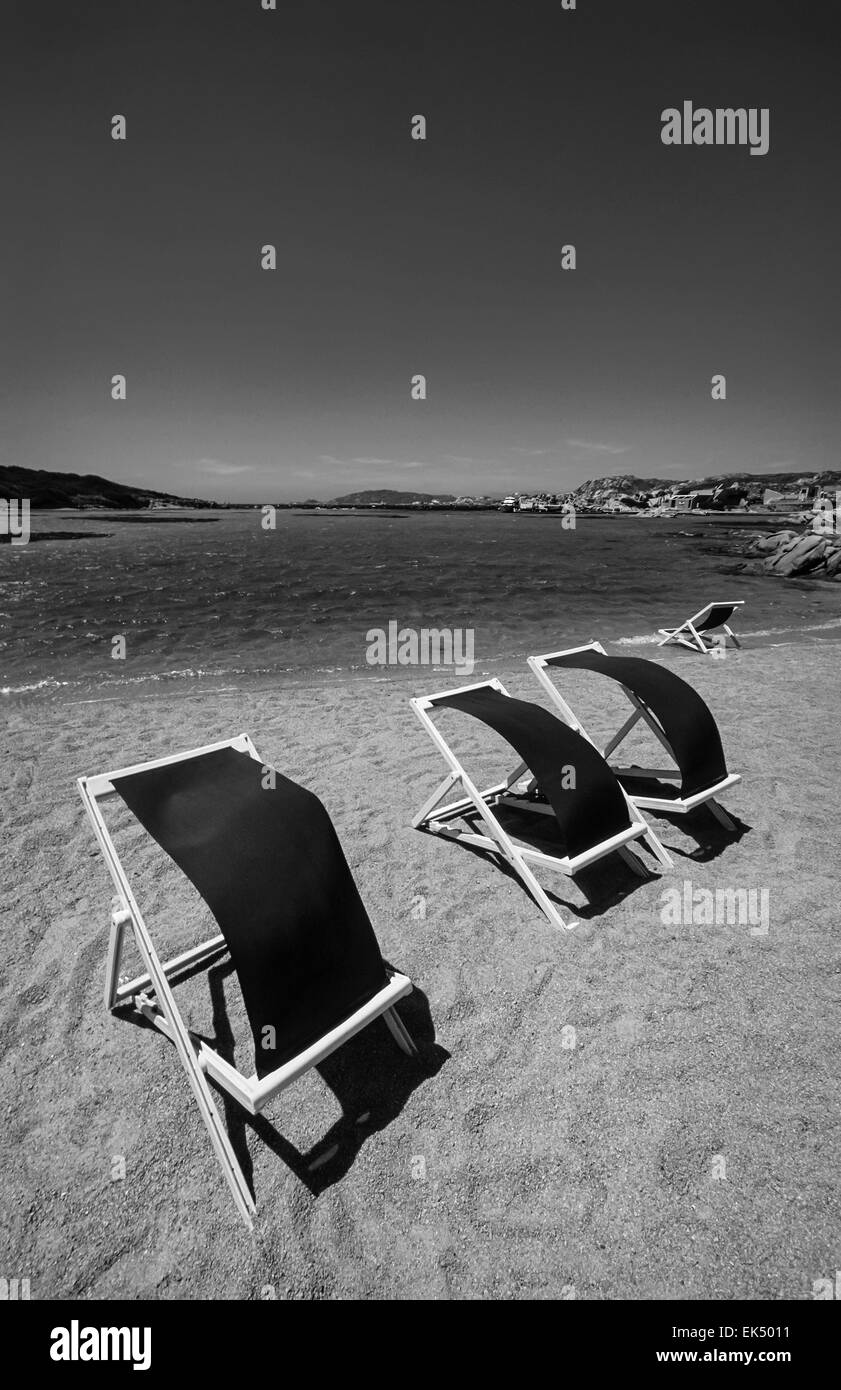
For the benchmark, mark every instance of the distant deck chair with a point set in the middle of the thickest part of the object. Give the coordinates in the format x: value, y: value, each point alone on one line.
x: 692, y: 633
x: 264, y: 856
x: 595, y: 816
x: 675, y: 714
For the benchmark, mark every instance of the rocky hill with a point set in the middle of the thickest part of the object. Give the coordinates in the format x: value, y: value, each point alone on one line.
x: 599, y: 491
x: 82, y: 491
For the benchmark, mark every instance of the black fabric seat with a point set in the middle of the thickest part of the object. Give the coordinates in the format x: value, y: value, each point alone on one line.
x: 269, y: 865
x: 719, y: 614
x: 686, y: 721
x: 594, y: 809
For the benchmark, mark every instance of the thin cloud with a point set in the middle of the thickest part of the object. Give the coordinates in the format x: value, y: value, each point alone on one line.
x: 592, y: 447
x: 399, y: 465
x: 220, y: 469
x: 469, y: 458
x: 368, y: 462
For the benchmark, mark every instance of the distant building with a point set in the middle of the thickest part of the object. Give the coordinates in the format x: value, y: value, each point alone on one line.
x: 698, y: 498
x: 781, y: 501
x: 703, y: 497
x: 797, y: 496
x: 680, y: 501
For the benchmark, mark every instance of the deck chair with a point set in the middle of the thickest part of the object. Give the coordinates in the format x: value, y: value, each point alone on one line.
x: 675, y: 714
x: 595, y: 816
x: 265, y: 858
x: 692, y: 633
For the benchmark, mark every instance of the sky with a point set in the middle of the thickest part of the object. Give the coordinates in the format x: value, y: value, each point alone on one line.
x: 398, y: 257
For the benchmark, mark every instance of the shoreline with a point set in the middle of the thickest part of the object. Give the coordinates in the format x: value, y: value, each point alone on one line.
x: 152, y: 685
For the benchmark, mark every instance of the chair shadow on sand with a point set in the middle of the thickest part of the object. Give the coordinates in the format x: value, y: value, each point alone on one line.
x: 611, y: 881
x: 603, y: 884
x: 710, y: 836
x: 371, y: 1078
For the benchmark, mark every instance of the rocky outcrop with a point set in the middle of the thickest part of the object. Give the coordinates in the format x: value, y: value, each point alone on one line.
x: 768, y: 544
x: 799, y: 556
x: 729, y: 489
x: 789, y: 554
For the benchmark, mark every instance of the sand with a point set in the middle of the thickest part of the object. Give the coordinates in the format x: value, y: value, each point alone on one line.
x: 681, y: 1142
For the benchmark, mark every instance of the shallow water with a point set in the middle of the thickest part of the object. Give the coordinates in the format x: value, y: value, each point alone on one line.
x: 225, y: 599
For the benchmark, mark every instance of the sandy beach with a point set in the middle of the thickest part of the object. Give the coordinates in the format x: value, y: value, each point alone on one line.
x: 629, y: 1110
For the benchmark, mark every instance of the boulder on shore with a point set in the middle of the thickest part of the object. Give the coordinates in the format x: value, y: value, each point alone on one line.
x: 790, y: 554
x: 803, y: 556
x: 765, y: 544
x: 833, y: 563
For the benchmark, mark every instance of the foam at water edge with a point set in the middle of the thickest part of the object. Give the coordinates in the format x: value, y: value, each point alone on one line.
x: 647, y: 639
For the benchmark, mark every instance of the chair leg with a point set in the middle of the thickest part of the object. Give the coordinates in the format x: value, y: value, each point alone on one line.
x: 721, y: 815
x: 165, y: 1014
x: 657, y: 847
x: 518, y: 863
x: 438, y: 795
x: 650, y: 837
x: 120, y: 918
x: 400, y: 1032
x: 633, y: 862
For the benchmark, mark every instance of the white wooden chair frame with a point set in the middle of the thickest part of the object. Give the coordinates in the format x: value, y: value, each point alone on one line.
x: 682, y: 805
x: 511, y: 792
x: 688, y: 636
x: 199, y: 1060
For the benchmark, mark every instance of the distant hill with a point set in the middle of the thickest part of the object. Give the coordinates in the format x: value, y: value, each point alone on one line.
x: 83, y: 491
x: 388, y: 498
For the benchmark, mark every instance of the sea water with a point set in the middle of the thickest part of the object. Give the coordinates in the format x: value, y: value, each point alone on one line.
x: 207, y: 596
